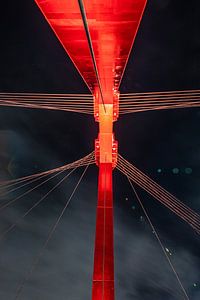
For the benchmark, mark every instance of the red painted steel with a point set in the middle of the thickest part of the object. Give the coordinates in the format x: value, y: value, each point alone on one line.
x: 113, y: 25
x: 64, y: 17
x: 114, y: 152
x: 97, y: 105
x: 103, y: 277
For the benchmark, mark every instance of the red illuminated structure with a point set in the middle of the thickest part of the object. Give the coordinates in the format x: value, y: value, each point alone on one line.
x: 98, y: 37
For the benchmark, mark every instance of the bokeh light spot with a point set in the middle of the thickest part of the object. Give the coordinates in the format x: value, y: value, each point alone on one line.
x: 188, y: 171
x: 175, y: 170
x: 195, y: 285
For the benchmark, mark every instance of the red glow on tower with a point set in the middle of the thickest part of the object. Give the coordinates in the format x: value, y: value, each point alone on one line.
x: 112, y: 26
x: 98, y: 101
x: 103, y: 276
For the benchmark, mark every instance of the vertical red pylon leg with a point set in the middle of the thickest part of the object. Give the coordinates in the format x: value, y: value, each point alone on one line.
x: 103, y: 276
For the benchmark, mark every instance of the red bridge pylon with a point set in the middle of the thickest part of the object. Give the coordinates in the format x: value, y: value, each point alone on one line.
x: 98, y: 37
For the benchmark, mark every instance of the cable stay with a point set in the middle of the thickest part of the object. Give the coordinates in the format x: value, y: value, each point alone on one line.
x: 89, y: 40
x: 152, y: 94
x: 50, y: 95
x: 139, y: 102
x: 24, y: 184
x: 129, y: 103
x: 5, y: 205
x: 159, y: 193
x: 49, y: 237
x: 185, y: 295
x: 82, y: 162
x: 12, y: 226
x: 65, y: 102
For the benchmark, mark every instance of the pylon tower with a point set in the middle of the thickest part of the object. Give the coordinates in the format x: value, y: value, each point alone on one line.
x: 98, y: 36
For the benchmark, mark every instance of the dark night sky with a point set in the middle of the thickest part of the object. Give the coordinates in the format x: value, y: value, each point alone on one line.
x: 166, y: 56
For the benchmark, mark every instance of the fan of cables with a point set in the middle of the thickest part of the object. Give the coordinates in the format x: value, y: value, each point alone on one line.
x: 31, y: 183
x: 139, y: 102
x: 159, y: 193
x: 39, y: 179
x: 81, y: 103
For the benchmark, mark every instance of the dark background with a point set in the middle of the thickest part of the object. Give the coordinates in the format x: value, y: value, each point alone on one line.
x: 166, y: 56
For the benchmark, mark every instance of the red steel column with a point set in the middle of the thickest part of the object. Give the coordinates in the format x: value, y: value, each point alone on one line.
x: 103, y: 276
